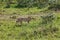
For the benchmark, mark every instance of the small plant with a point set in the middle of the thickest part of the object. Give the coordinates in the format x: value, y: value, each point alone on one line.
x: 13, y: 17
x: 48, y: 18
x: 3, y: 10
x: 53, y: 29
x: 23, y: 33
x: 9, y: 34
x: 8, y: 5
x: 35, y: 32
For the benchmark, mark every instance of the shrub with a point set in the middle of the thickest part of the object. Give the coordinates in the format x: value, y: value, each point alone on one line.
x: 48, y: 18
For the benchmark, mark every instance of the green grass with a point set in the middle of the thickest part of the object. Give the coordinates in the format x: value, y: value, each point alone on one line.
x: 34, y: 30
x: 22, y: 11
x: 9, y: 30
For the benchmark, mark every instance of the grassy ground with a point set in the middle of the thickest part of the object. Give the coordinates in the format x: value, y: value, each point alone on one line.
x: 22, y: 11
x: 35, y: 30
